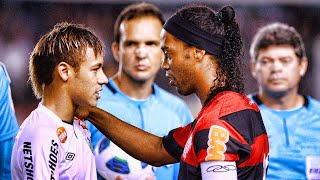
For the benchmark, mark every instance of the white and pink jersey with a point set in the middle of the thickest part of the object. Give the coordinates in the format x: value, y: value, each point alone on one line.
x: 48, y: 148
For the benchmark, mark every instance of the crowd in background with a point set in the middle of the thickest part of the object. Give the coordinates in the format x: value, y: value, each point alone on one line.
x: 22, y: 23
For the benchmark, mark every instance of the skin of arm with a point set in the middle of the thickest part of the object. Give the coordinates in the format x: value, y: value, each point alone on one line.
x: 138, y: 143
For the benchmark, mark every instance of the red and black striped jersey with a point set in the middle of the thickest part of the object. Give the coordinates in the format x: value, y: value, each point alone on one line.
x: 228, y: 128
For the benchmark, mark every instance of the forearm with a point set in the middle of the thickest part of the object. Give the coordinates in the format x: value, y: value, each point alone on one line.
x: 136, y: 142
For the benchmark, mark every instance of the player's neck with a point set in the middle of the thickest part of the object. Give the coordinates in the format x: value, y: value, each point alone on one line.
x: 133, y: 89
x: 285, y: 102
x: 59, y: 103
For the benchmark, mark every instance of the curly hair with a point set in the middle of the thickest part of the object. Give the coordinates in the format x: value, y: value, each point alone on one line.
x: 64, y: 43
x: 223, y: 24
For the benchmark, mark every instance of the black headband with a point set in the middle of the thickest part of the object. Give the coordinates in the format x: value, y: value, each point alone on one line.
x: 193, y: 35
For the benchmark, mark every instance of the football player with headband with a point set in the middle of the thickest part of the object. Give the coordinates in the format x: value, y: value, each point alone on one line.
x: 131, y: 94
x: 227, y: 140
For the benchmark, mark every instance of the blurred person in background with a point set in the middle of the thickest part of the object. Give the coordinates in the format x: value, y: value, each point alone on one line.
x: 278, y: 62
x: 131, y: 93
x: 8, y: 124
x: 65, y: 70
x: 227, y: 140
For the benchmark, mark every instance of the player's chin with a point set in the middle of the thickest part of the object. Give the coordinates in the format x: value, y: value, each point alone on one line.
x: 279, y: 89
x: 183, y: 92
x: 142, y: 76
x: 93, y: 103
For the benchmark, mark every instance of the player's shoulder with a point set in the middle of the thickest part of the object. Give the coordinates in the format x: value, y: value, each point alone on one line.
x: 3, y: 72
x: 36, y: 126
x: 40, y: 124
x: 313, y: 106
x: 166, y: 96
x: 313, y: 102
x: 229, y: 102
x: 237, y: 101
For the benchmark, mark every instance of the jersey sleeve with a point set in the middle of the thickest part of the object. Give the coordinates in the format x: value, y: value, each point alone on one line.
x: 175, y: 141
x: 39, y: 154
x: 239, y: 136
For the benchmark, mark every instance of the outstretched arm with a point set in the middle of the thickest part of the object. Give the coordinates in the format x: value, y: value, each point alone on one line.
x: 136, y: 142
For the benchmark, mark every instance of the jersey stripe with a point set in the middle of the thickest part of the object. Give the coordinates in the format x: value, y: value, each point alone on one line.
x: 257, y: 157
x: 228, y: 128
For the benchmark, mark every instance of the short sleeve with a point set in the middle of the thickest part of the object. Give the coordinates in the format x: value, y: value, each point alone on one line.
x: 39, y: 154
x: 175, y: 141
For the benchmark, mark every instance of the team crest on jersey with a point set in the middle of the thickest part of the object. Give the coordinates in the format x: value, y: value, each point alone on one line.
x: 62, y: 134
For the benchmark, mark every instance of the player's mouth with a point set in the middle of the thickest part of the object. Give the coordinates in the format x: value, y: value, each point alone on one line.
x: 97, y: 94
x: 276, y: 80
x: 142, y: 67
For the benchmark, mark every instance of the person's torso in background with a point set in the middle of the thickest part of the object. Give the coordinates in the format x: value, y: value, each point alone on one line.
x: 8, y: 123
x: 293, y: 136
x: 158, y: 114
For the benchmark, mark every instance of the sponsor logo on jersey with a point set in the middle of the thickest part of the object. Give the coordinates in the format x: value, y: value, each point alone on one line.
x: 217, y: 139
x: 28, y: 162
x: 53, y: 158
x: 62, y: 134
x: 69, y: 156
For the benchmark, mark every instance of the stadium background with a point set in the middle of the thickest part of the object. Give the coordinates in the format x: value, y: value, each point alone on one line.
x: 23, y: 22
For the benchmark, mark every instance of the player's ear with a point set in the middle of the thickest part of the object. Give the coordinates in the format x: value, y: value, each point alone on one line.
x: 115, y: 50
x: 303, y: 66
x: 63, y: 70
x: 252, y: 68
x: 198, y: 53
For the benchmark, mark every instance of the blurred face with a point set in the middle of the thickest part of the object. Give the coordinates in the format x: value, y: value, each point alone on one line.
x: 277, y: 69
x: 87, y: 82
x: 138, y: 52
x: 178, y: 64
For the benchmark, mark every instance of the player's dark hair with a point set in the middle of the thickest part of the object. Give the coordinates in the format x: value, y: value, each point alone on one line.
x: 223, y: 24
x: 64, y: 43
x: 277, y: 34
x: 135, y: 11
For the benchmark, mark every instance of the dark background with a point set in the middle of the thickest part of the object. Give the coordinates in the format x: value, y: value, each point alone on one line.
x: 23, y: 22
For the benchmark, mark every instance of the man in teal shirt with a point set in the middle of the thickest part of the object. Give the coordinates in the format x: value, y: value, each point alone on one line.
x: 131, y: 94
x: 8, y: 124
x: 292, y: 120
